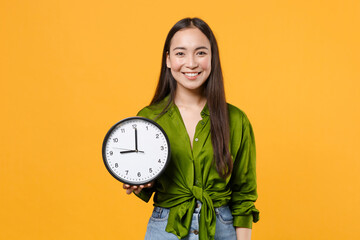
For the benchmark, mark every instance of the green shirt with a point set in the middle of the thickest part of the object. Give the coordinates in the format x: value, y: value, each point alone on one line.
x: 191, y: 174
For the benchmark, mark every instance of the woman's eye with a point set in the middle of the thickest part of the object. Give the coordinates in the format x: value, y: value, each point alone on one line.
x: 179, y: 53
x: 201, y: 53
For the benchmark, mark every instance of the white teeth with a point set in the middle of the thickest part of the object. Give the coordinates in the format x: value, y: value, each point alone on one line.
x: 191, y: 74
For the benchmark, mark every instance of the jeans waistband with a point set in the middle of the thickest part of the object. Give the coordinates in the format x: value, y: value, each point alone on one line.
x: 197, y: 206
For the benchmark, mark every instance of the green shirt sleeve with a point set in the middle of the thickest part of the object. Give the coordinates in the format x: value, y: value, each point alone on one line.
x: 243, y: 179
x: 145, y: 194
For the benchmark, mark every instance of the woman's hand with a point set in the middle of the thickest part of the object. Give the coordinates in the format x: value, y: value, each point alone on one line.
x: 243, y: 233
x: 136, y: 189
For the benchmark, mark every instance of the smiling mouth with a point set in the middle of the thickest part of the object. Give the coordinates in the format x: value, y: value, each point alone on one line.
x: 192, y: 74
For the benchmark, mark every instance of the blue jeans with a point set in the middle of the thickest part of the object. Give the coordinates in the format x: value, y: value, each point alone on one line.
x: 158, y: 221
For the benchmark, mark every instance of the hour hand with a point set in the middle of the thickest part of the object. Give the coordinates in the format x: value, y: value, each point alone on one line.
x: 129, y: 151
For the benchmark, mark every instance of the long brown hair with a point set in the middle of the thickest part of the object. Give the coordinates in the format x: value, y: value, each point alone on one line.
x: 214, y: 92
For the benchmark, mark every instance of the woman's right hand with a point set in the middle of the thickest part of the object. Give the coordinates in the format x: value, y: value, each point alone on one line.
x: 135, y: 188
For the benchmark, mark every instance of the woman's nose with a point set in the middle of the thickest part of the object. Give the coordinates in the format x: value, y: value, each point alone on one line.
x: 191, y: 62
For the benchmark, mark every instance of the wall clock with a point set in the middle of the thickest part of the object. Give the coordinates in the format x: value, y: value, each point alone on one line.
x: 136, y: 150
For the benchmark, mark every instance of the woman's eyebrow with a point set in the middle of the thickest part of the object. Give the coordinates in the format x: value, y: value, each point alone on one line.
x: 183, y: 48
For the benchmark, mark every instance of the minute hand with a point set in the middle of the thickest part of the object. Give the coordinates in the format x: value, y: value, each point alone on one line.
x: 136, y: 141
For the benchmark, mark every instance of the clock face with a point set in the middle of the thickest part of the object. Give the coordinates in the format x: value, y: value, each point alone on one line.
x: 136, y: 150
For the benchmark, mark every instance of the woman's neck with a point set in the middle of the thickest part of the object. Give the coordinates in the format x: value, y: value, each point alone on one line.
x: 189, y: 98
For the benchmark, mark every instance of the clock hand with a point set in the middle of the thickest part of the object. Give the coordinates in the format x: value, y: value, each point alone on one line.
x: 130, y: 151
x: 136, y: 140
x: 121, y: 148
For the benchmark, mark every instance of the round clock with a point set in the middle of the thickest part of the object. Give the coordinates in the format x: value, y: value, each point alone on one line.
x: 136, y: 150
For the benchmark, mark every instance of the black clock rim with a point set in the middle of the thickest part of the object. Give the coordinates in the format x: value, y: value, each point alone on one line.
x: 104, y: 153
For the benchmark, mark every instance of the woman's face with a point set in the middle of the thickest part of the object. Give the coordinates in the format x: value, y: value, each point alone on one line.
x: 189, y: 59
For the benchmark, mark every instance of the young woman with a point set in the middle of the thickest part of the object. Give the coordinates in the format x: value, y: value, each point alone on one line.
x: 208, y: 189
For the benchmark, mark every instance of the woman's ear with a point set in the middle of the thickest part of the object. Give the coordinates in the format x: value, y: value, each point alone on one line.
x: 168, y: 62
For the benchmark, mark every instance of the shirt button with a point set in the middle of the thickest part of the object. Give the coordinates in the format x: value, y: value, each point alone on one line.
x: 196, y: 139
x: 196, y: 232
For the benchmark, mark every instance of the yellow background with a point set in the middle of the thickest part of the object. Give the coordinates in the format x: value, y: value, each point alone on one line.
x: 69, y: 70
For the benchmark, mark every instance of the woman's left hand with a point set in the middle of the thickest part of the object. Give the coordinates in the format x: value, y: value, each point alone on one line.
x: 135, y: 188
x: 243, y: 233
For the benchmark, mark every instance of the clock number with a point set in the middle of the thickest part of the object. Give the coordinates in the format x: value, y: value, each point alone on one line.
x: 162, y: 148
x: 157, y: 135
x: 127, y: 172
x: 122, y: 130
x: 111, y: 153
x: 139, y: 174
x: 159, y: 161
x: 134, y: 125
x: 147, y: 127
x: 116, y: 165
x: 116, y: 140
x: 150, y: 170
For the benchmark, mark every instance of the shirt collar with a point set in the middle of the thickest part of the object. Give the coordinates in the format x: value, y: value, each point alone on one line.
x: 171, y: 109
x: 205, y: 111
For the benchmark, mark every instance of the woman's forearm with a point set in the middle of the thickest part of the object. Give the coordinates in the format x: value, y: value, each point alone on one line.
x: 243, y: 233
